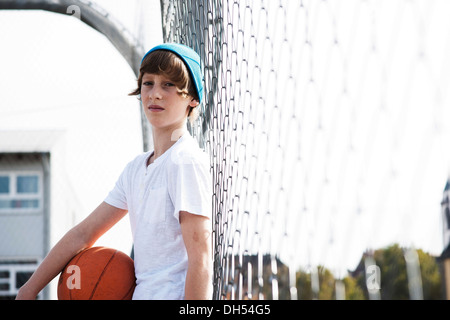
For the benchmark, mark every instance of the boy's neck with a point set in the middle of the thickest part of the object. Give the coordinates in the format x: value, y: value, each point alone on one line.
x: 164, y: 139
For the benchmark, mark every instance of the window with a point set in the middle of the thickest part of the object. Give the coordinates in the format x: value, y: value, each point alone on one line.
x: 27, y: 184
x: 13, y: 275
x: 20, y: 192
x: 4, y: 184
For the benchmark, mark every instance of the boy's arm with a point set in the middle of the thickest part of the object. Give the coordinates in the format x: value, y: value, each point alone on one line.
x: 196, y: 232
x: 80, y: 237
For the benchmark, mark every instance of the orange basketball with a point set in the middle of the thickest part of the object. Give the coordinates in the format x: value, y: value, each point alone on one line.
x: 98, y: 273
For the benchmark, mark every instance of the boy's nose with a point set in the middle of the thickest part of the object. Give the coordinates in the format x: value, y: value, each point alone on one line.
x: 155, y: 93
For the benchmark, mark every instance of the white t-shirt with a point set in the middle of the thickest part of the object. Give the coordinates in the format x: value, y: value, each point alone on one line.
x: 179, y: 180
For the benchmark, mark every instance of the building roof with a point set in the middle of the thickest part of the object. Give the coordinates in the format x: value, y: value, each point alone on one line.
x: 28, y: 140
x: 447, y: 185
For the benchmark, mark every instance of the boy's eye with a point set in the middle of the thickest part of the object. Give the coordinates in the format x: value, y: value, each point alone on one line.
x: 148, y: 83
x: 169, y: 84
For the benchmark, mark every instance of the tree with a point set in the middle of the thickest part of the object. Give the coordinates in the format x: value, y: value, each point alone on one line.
x: 319, y: 283
x: 394, y: 277
x: 431, y: 277
x: 327, y: 286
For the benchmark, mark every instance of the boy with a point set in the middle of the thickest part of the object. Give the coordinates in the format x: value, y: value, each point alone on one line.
x: 167, y: 192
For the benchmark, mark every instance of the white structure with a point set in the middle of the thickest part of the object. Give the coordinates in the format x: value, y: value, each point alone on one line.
x: 26, y: 223
x: 445, y: 209
x: 444, y: 258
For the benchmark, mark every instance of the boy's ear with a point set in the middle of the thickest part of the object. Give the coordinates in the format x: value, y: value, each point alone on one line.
x: 194, y: 103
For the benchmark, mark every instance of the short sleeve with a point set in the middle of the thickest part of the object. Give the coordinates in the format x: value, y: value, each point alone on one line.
x: 117, y: 196
x: 189, y: 186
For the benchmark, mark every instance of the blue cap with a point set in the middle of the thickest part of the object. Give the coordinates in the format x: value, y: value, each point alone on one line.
x: 190, y: 58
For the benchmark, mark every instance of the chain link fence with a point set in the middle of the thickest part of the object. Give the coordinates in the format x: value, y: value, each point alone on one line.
x: 326, y: 123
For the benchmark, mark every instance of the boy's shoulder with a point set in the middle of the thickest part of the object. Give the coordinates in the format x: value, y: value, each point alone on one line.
x: 138, y: 161
x: 188, y: 151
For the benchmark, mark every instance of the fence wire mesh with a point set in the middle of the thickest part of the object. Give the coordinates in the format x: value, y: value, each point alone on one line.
x: 326, y: 122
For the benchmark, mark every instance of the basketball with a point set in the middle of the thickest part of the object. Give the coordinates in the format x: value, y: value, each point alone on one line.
x: 97, y: 273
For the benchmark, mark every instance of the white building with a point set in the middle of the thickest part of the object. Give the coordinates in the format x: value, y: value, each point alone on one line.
x: 27, y: 171
x: 444, y: 258
x: 445, y: 209
x: 39, y: 202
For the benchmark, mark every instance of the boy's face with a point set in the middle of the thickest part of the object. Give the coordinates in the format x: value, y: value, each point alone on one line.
x: 163, y: 105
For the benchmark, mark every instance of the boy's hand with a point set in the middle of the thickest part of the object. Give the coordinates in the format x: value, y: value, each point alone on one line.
x: 26, y: 294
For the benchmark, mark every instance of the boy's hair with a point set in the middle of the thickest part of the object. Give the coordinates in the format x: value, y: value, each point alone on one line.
x: 162, y: 62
